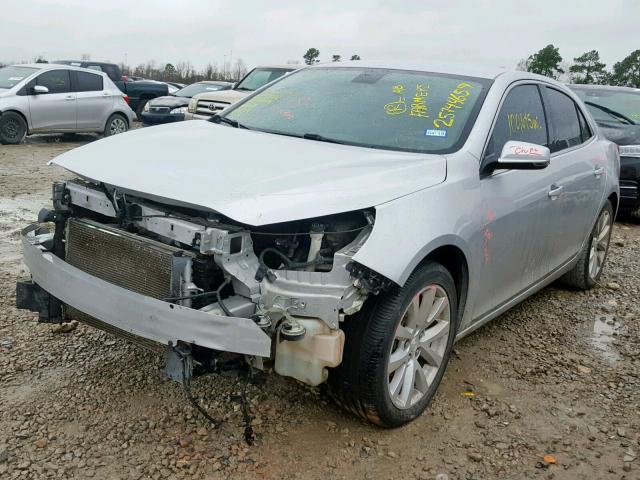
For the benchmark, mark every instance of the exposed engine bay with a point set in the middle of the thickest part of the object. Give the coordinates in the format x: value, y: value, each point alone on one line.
x: 295, y: 281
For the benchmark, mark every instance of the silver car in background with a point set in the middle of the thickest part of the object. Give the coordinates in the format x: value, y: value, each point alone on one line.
x: 48, y: 98
x: 346, y: 224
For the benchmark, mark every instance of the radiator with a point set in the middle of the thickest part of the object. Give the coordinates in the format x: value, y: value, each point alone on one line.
x: 136, y: 263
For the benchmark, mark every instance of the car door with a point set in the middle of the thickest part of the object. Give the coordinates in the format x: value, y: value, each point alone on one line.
x: 578, y: 177
x: 94, y: 104
x: 55, y: 110
x: 512, y: 205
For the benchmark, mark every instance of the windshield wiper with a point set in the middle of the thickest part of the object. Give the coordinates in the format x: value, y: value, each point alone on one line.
x: 320, y: 138
x: 217, y: 118
x: 611, y: 112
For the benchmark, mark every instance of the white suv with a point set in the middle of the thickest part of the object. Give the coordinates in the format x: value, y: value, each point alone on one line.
x: 46, y: 98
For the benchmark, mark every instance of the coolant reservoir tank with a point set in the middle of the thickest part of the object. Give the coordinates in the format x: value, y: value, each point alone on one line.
x: 307, y: 359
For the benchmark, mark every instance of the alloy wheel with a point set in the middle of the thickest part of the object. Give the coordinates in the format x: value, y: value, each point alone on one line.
x: 419, y: 346
x: 118, y: 125
x: 11, y: 128
x: 599, y: 244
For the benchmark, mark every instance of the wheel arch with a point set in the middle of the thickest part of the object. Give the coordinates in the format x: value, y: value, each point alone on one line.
x: 117, y: 112
x: 24, y: 117
x: 455, y: 261
x: 451, y: 252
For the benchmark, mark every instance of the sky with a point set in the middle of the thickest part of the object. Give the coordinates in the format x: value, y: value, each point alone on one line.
x: 487, y: 32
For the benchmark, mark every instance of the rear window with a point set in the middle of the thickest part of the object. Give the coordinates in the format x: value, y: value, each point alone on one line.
x: 11, y: 76
x: 88, y: 82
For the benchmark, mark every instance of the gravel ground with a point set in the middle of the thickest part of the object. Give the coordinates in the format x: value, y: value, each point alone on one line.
x: 556, y: 376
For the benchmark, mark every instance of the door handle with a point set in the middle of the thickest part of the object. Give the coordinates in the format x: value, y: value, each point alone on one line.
x: 598, y: 171
x: 70, y: 97
x: 555, y: 191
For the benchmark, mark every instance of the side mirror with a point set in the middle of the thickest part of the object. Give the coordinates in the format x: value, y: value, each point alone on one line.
x: 520, y: 156
x: 40, y: 89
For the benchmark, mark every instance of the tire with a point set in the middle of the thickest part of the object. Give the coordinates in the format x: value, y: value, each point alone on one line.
x: 140, y: 108
x: 363, y: 382
x: 13, y: 128
x: 116, y: 124
x: 584, y: 275
x: 635, y: 215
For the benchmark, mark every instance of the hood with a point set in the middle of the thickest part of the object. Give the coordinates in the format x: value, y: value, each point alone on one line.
x: 252, y: 177
x: 621, y: 134
x: 169, y: 101
x: 227, y: 96
x: 4, y: 92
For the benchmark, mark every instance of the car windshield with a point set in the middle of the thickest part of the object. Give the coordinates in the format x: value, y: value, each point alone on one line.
x: 11, y: 76
x: 610, y: 105
x: 259, y: 77
x: 378, y: 108
x: 191, y: 90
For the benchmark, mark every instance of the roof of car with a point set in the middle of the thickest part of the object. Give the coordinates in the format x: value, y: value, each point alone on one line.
x: 216, y: 82
x: 478, y: 71
x: 580, y: 86
x: 288, y: 66
x: 52, y: 66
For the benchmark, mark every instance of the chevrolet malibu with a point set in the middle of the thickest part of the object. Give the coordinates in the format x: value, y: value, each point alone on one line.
x: 347, y: 225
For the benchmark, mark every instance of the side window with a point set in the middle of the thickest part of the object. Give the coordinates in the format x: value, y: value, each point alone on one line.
x: 565, y: 131
x: 98, y: 68
x: 521, y: 118
x: 57, y: 81
x: 88, y: 82
x: 585, y: 131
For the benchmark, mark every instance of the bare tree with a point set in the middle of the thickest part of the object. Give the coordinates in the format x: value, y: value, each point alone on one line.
x: 85, y: 57
x: 239, y: 70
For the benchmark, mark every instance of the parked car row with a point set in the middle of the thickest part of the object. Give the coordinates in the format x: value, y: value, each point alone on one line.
x: 345, y: 224
x: 174, y: 107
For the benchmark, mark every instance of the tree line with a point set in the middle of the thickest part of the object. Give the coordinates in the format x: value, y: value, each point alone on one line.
x: 180, y: 72
x: 586, y: 68
x: 312, y: 55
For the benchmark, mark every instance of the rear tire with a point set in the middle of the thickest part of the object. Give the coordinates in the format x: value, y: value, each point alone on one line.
x: 13, y: 128
x: 592, y: 259
x: 384, y: 353
x: 115, y: 125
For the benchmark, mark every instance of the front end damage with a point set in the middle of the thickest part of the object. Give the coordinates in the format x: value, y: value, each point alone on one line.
x: 172, y: 276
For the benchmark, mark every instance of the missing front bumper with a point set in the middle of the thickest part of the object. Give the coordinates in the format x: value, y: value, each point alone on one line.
x: 138, y: 314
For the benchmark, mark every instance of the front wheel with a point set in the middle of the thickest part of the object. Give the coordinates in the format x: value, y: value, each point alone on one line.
x: 396, y: 352
x: 591, y: 262
x: 13, y: 128
x: 115, y: 125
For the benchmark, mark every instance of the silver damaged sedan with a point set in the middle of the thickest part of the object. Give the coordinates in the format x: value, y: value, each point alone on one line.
x: 345, y: 224
x: 49, y: 98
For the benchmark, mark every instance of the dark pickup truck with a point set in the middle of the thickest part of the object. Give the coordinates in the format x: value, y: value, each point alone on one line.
x: 139, y: 92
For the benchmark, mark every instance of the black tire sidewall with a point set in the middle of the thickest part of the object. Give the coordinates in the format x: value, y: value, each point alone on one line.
x: 13, y: 116
x: 430, y: 273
